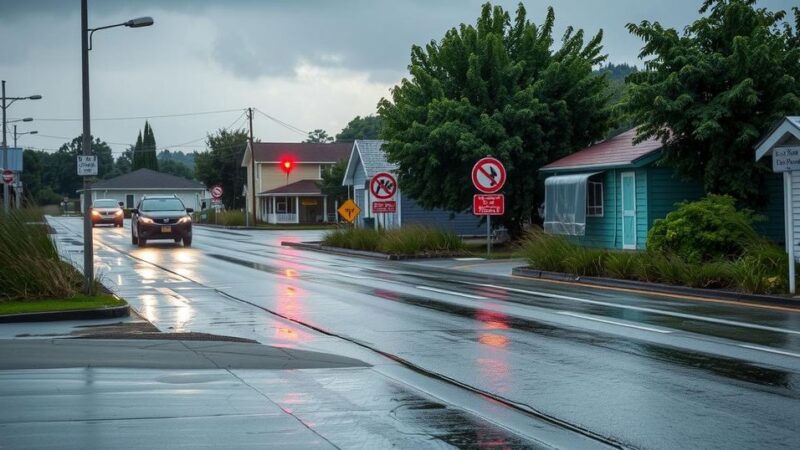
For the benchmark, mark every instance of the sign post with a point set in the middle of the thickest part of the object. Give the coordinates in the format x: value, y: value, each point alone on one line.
x: 488, y: 176
x: 787, y: 160
x: 383, y: 187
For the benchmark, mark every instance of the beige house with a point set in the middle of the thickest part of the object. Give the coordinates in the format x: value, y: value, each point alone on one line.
x: 287, y: 177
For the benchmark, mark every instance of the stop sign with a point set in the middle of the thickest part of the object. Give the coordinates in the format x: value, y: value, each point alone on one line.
x: 8, y: 176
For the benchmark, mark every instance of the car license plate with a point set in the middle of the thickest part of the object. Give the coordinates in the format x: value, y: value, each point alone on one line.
x: 166, y: 229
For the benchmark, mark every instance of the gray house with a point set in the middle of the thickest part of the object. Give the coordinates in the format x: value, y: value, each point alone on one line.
x: 130, y: 188
x: 366, y: 159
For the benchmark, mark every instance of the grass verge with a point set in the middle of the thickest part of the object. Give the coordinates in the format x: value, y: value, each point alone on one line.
x: 78, y: 302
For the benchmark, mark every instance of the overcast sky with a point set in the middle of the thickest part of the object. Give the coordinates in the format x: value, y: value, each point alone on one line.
x: 310, y: 63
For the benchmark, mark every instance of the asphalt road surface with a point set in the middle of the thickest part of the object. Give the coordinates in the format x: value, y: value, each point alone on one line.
x: 622, y: 368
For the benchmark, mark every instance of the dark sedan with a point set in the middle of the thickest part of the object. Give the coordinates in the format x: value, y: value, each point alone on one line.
x: 161, y: 217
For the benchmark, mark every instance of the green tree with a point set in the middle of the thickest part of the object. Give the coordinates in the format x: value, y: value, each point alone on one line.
x: 221, y: 164
x: 57, y: 172
x: 367, y: 127
x: 497, y: 88
x: 173, y: 167
x: 711, y: 92
x: 319, y: 136
x: 332, y: 181
x: 144, y: 152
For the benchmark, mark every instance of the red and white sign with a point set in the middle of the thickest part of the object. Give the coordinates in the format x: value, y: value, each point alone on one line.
x: 383, y: 186
x: 489, y: 205
x: 216, y: 191
x: 384, y: 207
x: 488, y: 175
x: 8, y: 176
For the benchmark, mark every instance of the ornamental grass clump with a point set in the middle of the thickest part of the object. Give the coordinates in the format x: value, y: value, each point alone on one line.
x: 30, y: 267
x: 406, y: 241
x: 419, y: 240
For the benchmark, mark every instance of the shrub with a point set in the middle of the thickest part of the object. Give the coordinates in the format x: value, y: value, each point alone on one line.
x: 353, y: 238
x: 704, y: 230
x: 546, y: 251
x: 624, y: 265
x: 417, y: 240
x: 412, y: 240
x: 30, y: 266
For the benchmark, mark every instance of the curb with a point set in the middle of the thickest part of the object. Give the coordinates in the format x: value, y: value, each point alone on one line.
x: 85, y: 314
x: 318, y: 247
x: 771, y: 300
x: 241, y: 227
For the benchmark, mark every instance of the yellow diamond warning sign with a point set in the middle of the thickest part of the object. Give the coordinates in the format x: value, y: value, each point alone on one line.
x: 349, y: 210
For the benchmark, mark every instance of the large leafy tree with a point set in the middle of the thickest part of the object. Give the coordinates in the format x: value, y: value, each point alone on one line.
x: 319, y: 136
x: 711, y: 92
x: 367, y: 127
x: 332, y: 181
x: 221, y: 164
x: 498, y: 88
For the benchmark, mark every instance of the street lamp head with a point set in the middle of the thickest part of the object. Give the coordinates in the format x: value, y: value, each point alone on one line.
x: 35, y: 97
x: 28, y: 119
x: 33, y: 132
x: 139, y: 22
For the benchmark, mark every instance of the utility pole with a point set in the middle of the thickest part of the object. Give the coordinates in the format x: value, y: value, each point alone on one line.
x: 252, y: 168
x: 5, y: 150
x: 88, y: 244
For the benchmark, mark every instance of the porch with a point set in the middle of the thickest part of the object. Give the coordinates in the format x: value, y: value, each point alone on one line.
x: 297, y: 203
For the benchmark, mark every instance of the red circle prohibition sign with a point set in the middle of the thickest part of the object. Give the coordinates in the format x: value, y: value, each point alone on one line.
x: 488, y: 175
x: 383, y: 186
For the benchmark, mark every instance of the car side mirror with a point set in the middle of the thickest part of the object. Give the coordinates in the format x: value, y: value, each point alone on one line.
x: 121, y: 205
x: 135, y: 211
x: 189, y: 210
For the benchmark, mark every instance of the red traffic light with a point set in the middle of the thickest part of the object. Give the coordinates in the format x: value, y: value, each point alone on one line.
x: 286, y: 166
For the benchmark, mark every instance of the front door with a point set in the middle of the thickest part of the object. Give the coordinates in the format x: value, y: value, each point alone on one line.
x: 628, y: 210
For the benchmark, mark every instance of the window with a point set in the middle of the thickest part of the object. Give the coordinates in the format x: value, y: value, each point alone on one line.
x: 594, y: 199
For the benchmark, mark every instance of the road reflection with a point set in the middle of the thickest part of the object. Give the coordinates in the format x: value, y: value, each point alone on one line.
x: 492, y: 358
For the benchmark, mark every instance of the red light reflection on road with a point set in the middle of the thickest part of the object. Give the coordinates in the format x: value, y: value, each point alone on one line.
x: 493, y: 340
x: 286, y: 334
x: 492, y: 353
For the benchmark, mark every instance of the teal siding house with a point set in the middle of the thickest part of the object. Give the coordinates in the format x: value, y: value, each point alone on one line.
x: 608, y: 195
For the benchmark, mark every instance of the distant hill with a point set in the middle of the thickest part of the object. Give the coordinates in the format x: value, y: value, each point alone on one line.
x: 617, y: 72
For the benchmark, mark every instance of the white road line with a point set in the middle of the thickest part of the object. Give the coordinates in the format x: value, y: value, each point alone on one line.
x: 642, y: 309
x: 358, y: 277
x: 395, y: 272
x: 612, y: 322
x: 770, y: 350
x: 469, y: 259
x: 443, y: 291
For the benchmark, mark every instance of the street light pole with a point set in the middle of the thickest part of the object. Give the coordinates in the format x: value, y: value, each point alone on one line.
x: 86, y: 45
x: 4, y: 104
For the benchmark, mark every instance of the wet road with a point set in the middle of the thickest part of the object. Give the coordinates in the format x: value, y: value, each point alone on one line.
x: 621, y: 368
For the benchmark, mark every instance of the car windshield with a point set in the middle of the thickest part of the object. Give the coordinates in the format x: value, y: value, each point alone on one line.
x: 162, y: 204
x: 105, y: 204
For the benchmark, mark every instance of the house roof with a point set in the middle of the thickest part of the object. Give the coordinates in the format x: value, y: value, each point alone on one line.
x: 299, y: 152
x: 146, y: 179
x: 302, y: 187
x: 618, y: 151
x: 372, y: 158
x: 785, y: 131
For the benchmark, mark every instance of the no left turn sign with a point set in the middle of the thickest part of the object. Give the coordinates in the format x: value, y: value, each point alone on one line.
x: 488, y: 175
x: 383, y: 186
x: 216, y: 191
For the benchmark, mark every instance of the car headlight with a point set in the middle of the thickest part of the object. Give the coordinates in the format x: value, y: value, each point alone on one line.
x: 185, y: 219
x: 118, y: 213
x: 145, y: 220
x: 95, y: 213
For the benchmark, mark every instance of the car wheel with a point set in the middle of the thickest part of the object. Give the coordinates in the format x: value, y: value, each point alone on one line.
x: 142, y: 242
x: 187, y: 242
x: 134, y: 239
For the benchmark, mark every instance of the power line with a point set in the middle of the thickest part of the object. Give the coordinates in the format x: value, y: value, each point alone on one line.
x: 282, y: 123
x: 159, y: 116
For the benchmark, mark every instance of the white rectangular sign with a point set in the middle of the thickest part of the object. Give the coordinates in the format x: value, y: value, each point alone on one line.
x: 87, y: 166
x: 785, y: 159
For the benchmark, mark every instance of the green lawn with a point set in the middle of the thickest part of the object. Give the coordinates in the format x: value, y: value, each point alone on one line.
x: 499, y: 251
x: 58, y: 304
